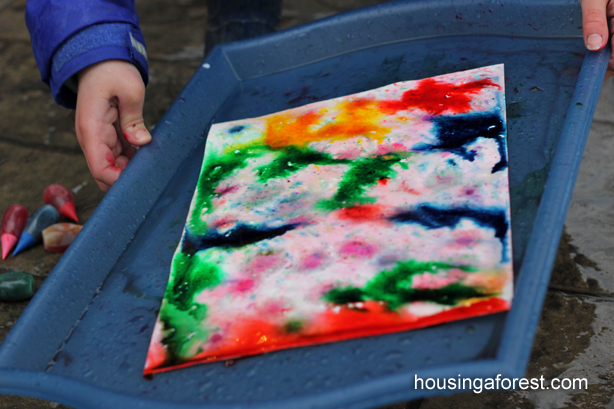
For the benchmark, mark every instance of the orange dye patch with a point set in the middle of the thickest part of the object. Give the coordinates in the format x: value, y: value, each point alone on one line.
x: 359, y: 117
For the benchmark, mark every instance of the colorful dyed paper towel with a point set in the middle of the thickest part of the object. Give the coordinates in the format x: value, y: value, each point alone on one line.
x: 372, y: 213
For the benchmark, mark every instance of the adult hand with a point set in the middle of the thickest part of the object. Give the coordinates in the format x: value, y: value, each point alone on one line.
x: 595, y: 26
x: 109, y: 118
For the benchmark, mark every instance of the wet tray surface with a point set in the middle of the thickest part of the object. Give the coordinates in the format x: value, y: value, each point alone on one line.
x: 84, y: 337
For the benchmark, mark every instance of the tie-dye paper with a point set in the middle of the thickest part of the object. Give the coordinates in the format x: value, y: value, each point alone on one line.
x: 373, y: 213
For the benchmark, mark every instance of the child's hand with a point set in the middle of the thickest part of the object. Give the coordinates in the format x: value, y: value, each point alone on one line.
x: 109, y: 118
x: 595, y: 26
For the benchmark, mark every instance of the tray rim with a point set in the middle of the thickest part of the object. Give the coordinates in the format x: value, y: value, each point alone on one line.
x: 512, y: 357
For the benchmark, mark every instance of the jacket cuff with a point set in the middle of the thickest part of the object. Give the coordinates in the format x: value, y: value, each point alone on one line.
x: 101, y: 42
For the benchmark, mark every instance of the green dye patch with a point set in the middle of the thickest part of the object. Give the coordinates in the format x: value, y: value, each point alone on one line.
x: 190, y: 274
x: 183, y: 330
x: 363, y: 173
x: 448, y: 295
x: 344, y: 295
x: 292, y: 159
x: 394, y: 287
x: 293, y: 326
x: 214, y: 171
x: 181, y: 316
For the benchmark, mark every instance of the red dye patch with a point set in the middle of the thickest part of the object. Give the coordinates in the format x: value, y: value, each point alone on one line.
x: 335, y: 324
x: 362, y: 213
x: 373, y: 318
x: 110, y: 158
x: 435, y: 97
x: 112, y: 163
x: 383, y: 182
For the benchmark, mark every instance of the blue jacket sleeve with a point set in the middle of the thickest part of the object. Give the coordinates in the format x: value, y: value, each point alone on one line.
x: 69, y: 35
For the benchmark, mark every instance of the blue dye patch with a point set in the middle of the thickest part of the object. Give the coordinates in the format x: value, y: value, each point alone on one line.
x: 456, y: 131
x: 240, y: 236
x: 236, y: 129
x: 433, y: 217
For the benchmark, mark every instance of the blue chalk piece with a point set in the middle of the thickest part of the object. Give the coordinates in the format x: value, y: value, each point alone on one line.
x: 25, y: 242
x: 38, y: 221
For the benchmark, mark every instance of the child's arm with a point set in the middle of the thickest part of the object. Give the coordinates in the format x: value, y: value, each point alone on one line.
x: 595, y: 26
x: 94, y: 48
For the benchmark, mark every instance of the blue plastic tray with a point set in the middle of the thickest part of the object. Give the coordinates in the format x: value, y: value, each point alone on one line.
x: 83, y: 338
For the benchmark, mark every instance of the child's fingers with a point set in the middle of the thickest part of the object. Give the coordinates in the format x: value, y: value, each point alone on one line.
x: 594, y: 23
x: 103, y: 186
x: 98, y: 139
x: 102, y: 163
x: 127, y: 150
x: 122, y: 161
x: 130, y: 106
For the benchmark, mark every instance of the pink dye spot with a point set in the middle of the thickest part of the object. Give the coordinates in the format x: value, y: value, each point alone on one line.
x: 215, y: 338
x: 444, y: 179
x: 299, y: 220
x: 469, y: 192
x: 222, y: 190
x: 384, y: 148
x: 357, y: 249
x: 464, y: 241
x: 312, y: 261
x: 409, y: 189
x: 226, y: 223
x: 263, y: 262
x: 274, y: 308
x: 432, y: 281
x: 242, y: 286
x: 350, y: 152
x: 466, y: 238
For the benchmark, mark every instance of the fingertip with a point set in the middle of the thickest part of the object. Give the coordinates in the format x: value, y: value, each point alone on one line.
x: 107, y: 174
x: 594, y: 42
x: 103, y: 186
x: 142, y: 136
x: 122, y: 162
x: 138, y: 136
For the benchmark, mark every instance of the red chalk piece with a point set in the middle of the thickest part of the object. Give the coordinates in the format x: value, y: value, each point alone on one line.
x: 61, y: 198
x: 13, y: 223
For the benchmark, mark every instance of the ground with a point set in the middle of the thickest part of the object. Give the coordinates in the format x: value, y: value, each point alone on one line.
x: 38, y: 147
